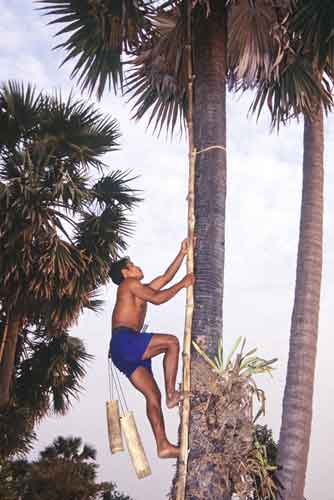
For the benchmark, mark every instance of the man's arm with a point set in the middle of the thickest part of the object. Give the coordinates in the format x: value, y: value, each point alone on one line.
x: 149, y: 294
x: 170, y: 272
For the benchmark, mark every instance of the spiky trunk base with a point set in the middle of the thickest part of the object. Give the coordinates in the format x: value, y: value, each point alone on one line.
x: 221, y: 436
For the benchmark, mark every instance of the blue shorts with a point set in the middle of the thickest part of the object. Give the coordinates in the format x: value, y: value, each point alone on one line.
x: 127, y: 347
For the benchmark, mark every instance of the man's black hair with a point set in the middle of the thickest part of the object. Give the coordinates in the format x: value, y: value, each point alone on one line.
x: 115, y: 271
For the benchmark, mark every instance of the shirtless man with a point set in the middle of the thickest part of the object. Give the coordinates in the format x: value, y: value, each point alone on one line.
x: 131, y: 351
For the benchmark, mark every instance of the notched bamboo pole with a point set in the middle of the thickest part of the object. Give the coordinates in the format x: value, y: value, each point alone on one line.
x: 4, y: 338
x: 135, y: 446
x: 183, y: 460
x: 114, y: 426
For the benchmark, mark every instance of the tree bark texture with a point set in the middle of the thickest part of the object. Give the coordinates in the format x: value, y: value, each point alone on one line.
x: 204, y: 476
x: 210, y: 178
x: 8, y: 360
x: 297, y: 403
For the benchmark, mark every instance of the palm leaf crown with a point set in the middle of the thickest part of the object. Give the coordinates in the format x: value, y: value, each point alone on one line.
x: 261, y: 49
x: 59, y: 226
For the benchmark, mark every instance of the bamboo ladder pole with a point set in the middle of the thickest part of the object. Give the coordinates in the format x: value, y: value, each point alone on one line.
x: 3, y: 341
x: 185, y: 414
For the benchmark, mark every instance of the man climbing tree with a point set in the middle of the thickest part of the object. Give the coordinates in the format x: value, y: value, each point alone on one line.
x: 131, y: 351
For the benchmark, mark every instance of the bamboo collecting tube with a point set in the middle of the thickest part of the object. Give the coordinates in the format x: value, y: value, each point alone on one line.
x: 135, y: 446
x: 114, y: 427
x: 184, y: 444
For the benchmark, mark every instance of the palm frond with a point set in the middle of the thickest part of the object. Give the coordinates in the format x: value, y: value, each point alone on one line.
x: 65, y: 448
x: 252, y: 40
x: 104, y: 234
x: 98, y: 31
x: 158, y: 82
x: 19, y: 112
x: 51, y: 377
x: 244, y: 366
x: 114, y: 189
x: 292, y: 90
x: 87, y: 453
x: 77, y: 131
x: 92, y: 302
x: 313, y: 20
x: 16, y: 430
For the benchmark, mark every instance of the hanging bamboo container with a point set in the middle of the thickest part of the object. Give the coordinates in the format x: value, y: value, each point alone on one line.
x: 135, y: 446
x: 114, y: 426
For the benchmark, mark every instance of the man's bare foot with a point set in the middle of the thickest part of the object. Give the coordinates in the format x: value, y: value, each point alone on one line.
x: 168, y: 450
x: 176, y: 397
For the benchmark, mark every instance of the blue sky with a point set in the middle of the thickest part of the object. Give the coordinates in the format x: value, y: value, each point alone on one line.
x: 263, y: 206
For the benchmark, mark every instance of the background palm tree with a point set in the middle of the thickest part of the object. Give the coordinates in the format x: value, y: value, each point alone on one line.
x: 60, y: 226
x: 239, y: 43
x: 312, y: 44
x: 313, y: 21
x: 47, y: 376
x: 65, y: 470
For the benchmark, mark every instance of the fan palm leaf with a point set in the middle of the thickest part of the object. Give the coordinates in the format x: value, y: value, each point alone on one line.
x: 252, y: 44
x: 292, y: 91
x: 296, y: 84
x: 115, y: 188
x: 314, y: 21
x: 19, y: 113
x: 50, y: 378
x: 98, y: 31
x: 16, y: 430
x: 71, y: 131
x: 158, y: 82
x: 77, y: 130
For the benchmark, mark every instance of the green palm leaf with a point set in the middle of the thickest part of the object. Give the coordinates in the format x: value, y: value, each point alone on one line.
x: 51, y: 377
x: 114, y: 189
x: 16, y: 430
x: 292, y: 90
x: 19, y: 113
x: 98, y: 31
x: 77, y: 131
x: 314, y: 21
x: 158, y: 82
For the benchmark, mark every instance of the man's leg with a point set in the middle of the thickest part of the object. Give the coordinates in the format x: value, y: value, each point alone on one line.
x: 142, y: 379
x: 168, y: 345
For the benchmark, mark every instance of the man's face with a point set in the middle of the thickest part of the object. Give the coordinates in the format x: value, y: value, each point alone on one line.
x: 133, y: 271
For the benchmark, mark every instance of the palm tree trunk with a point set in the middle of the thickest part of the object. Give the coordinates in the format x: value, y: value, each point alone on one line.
x: 204, y: 478
x: 297, y: 403
x: 210, y: 182
x: 8, y: 359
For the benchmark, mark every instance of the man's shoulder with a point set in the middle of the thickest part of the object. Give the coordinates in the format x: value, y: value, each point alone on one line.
x: 128, y: 284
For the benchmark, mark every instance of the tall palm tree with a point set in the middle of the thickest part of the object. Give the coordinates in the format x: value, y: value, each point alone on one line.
x: 310, y: 25
x: 60, y: 226
x: 314, y: 22
x: 232, y: 41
